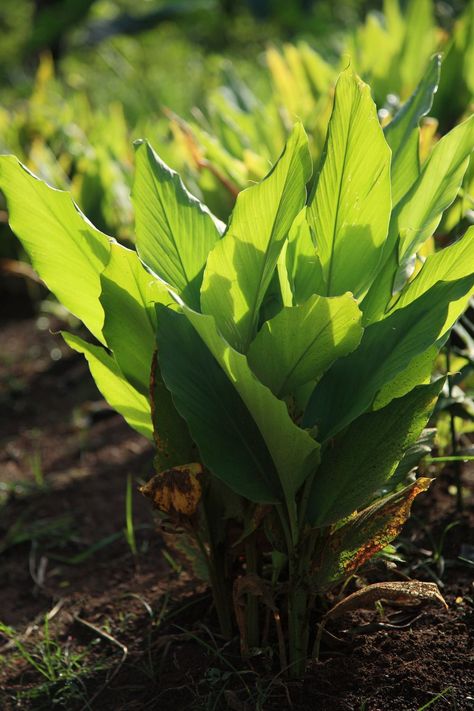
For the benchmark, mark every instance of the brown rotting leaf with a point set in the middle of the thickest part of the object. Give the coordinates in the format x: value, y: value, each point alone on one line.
x: 177, y: 490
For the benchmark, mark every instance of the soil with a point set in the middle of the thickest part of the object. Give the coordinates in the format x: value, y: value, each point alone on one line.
x: 136, y: 630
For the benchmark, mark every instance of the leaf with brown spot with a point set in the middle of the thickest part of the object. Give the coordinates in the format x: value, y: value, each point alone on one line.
x: 365, y: 534
x: 177, y: 490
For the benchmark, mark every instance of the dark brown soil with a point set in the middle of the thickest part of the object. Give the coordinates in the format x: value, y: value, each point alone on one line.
x: 144, y: 625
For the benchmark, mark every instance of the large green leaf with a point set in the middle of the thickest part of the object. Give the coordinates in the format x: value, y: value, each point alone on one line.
x: 365, y: 456
x: 350, y: 208
x: 439, y: 183
x: 294, y: 453
x: 387, y: 346
x: 174, y: 231
x: 241, y: 265
x: 128, y: 293
x: 123, y: 397
x: 228, y: 439
x: 66, y: 250
x: 299, y: 344
x: 402, y: 133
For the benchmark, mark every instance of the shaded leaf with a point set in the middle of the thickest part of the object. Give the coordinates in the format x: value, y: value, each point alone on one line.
x: 170, y: 431
x: 294, y: 452
x: 364, y: 457
x: 214, y: 411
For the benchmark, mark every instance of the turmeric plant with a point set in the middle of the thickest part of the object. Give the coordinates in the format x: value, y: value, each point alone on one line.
x: 281, y: 363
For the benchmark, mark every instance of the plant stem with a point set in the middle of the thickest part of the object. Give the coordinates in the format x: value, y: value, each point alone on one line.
x: 221, y: 595
x: 297, y: 635
x: 454, y: 442
x: 216, y: 566
x: 251, y: 558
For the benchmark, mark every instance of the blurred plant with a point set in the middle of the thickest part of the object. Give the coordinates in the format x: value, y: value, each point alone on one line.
x: 236, y: 133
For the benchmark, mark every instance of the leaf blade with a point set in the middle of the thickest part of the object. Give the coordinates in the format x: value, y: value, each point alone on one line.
x: 241, y: 265
x: 349, y: 210
x: 72, y: 256
x: 174, y: 231
x: 120, y: 395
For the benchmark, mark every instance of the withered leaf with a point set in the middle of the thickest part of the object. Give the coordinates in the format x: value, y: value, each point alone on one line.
x: 410, y: 592
x: 177, y: 490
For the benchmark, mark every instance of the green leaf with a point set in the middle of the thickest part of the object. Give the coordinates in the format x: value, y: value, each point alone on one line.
x: 350, y: 208
x: 380, y: 293
x: 365, y: 456
x: 449, y: 264
x: 412, y: 457
x: 120, y: 395
x: 364, y: 535
x: 303, y: 267
x: 419, y: 212
x: 241, y: 265
x: 418, y: 371
x: 128, y: 293
x: 294, y: 453
x: 421, y: 209
x: 402, y: 133
x: 301, y: 342
x: 227, y: 437
x: 174, y: 231
x: 350, y: 385
x: 65, y: 249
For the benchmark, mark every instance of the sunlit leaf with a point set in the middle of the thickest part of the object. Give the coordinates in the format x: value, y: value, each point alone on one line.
x: 350, y: 208
x: 402, y: 132
x: 174, y: 231
x: 66, y: 250
x: 349, y: 387
x: 241, y: 265
x: 303, y: 342
x: 123, y: 397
